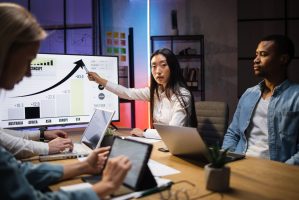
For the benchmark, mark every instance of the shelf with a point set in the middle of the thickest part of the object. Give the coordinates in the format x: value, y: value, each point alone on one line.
x: 194, y: 89
x: 176, y: 37
x: 192, y: 64
x: 189, y: 56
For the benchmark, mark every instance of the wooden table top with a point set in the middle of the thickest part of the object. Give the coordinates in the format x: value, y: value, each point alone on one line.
x: 251, y: 178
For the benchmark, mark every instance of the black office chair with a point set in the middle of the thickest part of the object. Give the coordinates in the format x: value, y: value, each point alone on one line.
x: 212, y: 120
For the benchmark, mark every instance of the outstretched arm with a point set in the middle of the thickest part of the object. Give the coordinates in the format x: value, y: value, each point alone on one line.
x: 121, y: 91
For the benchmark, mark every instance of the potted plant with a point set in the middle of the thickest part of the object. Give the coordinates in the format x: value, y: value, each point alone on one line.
x: 217, y: 175
x: 108, y: 138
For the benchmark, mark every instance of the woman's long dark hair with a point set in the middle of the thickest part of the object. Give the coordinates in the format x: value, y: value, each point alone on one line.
x: 175, y: 81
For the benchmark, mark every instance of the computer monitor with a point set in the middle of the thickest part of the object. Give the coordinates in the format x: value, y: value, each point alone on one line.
x: 59, y: 92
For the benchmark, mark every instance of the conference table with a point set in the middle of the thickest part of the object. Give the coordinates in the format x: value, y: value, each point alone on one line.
x: 251, y: 178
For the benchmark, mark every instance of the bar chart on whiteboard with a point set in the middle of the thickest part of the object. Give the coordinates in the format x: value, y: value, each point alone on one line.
x: 59, y: 92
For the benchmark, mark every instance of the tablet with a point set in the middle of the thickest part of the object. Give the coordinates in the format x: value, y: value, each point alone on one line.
x: 138, y: 153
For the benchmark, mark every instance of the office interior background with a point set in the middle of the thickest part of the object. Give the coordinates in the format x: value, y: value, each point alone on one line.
x: 231, y: 31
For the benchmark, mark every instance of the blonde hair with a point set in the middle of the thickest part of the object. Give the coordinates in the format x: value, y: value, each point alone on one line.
x: 18, y: 27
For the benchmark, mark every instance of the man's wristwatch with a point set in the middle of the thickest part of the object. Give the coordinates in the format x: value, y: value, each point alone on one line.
x: 42, y: 133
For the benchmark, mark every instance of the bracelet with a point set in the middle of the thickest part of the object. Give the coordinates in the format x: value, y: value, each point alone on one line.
x: 42, y: 133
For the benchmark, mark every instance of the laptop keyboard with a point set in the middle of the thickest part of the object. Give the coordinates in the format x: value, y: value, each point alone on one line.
x: 81, y: 149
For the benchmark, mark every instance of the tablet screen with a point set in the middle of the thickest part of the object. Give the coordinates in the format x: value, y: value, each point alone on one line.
x: 137, y: 152
x: 97, y: 127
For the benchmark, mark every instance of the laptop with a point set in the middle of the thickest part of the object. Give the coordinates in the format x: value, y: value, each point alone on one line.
x: 186, y: 141
x: 91, y: 138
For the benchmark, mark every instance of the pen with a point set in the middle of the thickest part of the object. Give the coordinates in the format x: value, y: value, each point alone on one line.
x: 101, y: 87
x: 85, y: 69
x: 154, y: 190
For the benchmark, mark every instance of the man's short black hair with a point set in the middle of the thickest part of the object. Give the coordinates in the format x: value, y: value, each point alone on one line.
x: 284, y: 45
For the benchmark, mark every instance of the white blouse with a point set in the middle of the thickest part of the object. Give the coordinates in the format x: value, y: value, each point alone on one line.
x: 165, y: 111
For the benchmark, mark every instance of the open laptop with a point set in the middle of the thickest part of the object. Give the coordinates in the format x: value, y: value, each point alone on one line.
x: 186, y: 141
x: 91, y: 138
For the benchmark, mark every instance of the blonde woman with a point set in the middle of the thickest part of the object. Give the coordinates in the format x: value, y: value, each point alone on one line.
x: 16, y: 30
x: 20, y: 37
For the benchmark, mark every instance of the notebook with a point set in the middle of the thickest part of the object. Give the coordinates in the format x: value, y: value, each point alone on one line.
x: 91, y: 138
x: 186, y: 141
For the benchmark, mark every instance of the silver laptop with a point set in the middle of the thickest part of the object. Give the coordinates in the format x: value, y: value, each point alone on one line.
x: 186, y: 141
x: 91, y: 138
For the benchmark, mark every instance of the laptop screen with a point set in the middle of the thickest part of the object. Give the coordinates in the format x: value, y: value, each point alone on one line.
x: 138, y: 153
x: 96, y: 128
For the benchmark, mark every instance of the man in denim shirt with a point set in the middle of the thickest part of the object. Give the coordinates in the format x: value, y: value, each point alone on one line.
x: 266, y: 122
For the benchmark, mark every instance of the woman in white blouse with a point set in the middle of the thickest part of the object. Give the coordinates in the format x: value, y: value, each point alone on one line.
x: 171, y: 101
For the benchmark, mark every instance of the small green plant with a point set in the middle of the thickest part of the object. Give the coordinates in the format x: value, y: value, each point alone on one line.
x: 110, y: 131
x: 217, y: 157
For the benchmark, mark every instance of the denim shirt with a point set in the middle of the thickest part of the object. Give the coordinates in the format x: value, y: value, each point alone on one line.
x: 283, y: 122
x: 24, y: 180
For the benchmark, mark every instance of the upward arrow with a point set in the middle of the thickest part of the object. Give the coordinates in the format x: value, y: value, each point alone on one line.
x: 78, y: 63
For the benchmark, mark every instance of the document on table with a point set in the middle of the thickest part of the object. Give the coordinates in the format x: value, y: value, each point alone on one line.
x: 142, y: 139
x: 76, y: 187
x: 159, y: 169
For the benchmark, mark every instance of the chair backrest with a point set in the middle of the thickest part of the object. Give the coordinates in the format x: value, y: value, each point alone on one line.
x: 212, y: 119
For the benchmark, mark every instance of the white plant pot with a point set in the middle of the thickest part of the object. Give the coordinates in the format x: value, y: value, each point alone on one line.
x: 217, y: 179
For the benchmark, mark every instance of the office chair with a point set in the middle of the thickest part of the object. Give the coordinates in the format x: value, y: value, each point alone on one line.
x: 212, y: 121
